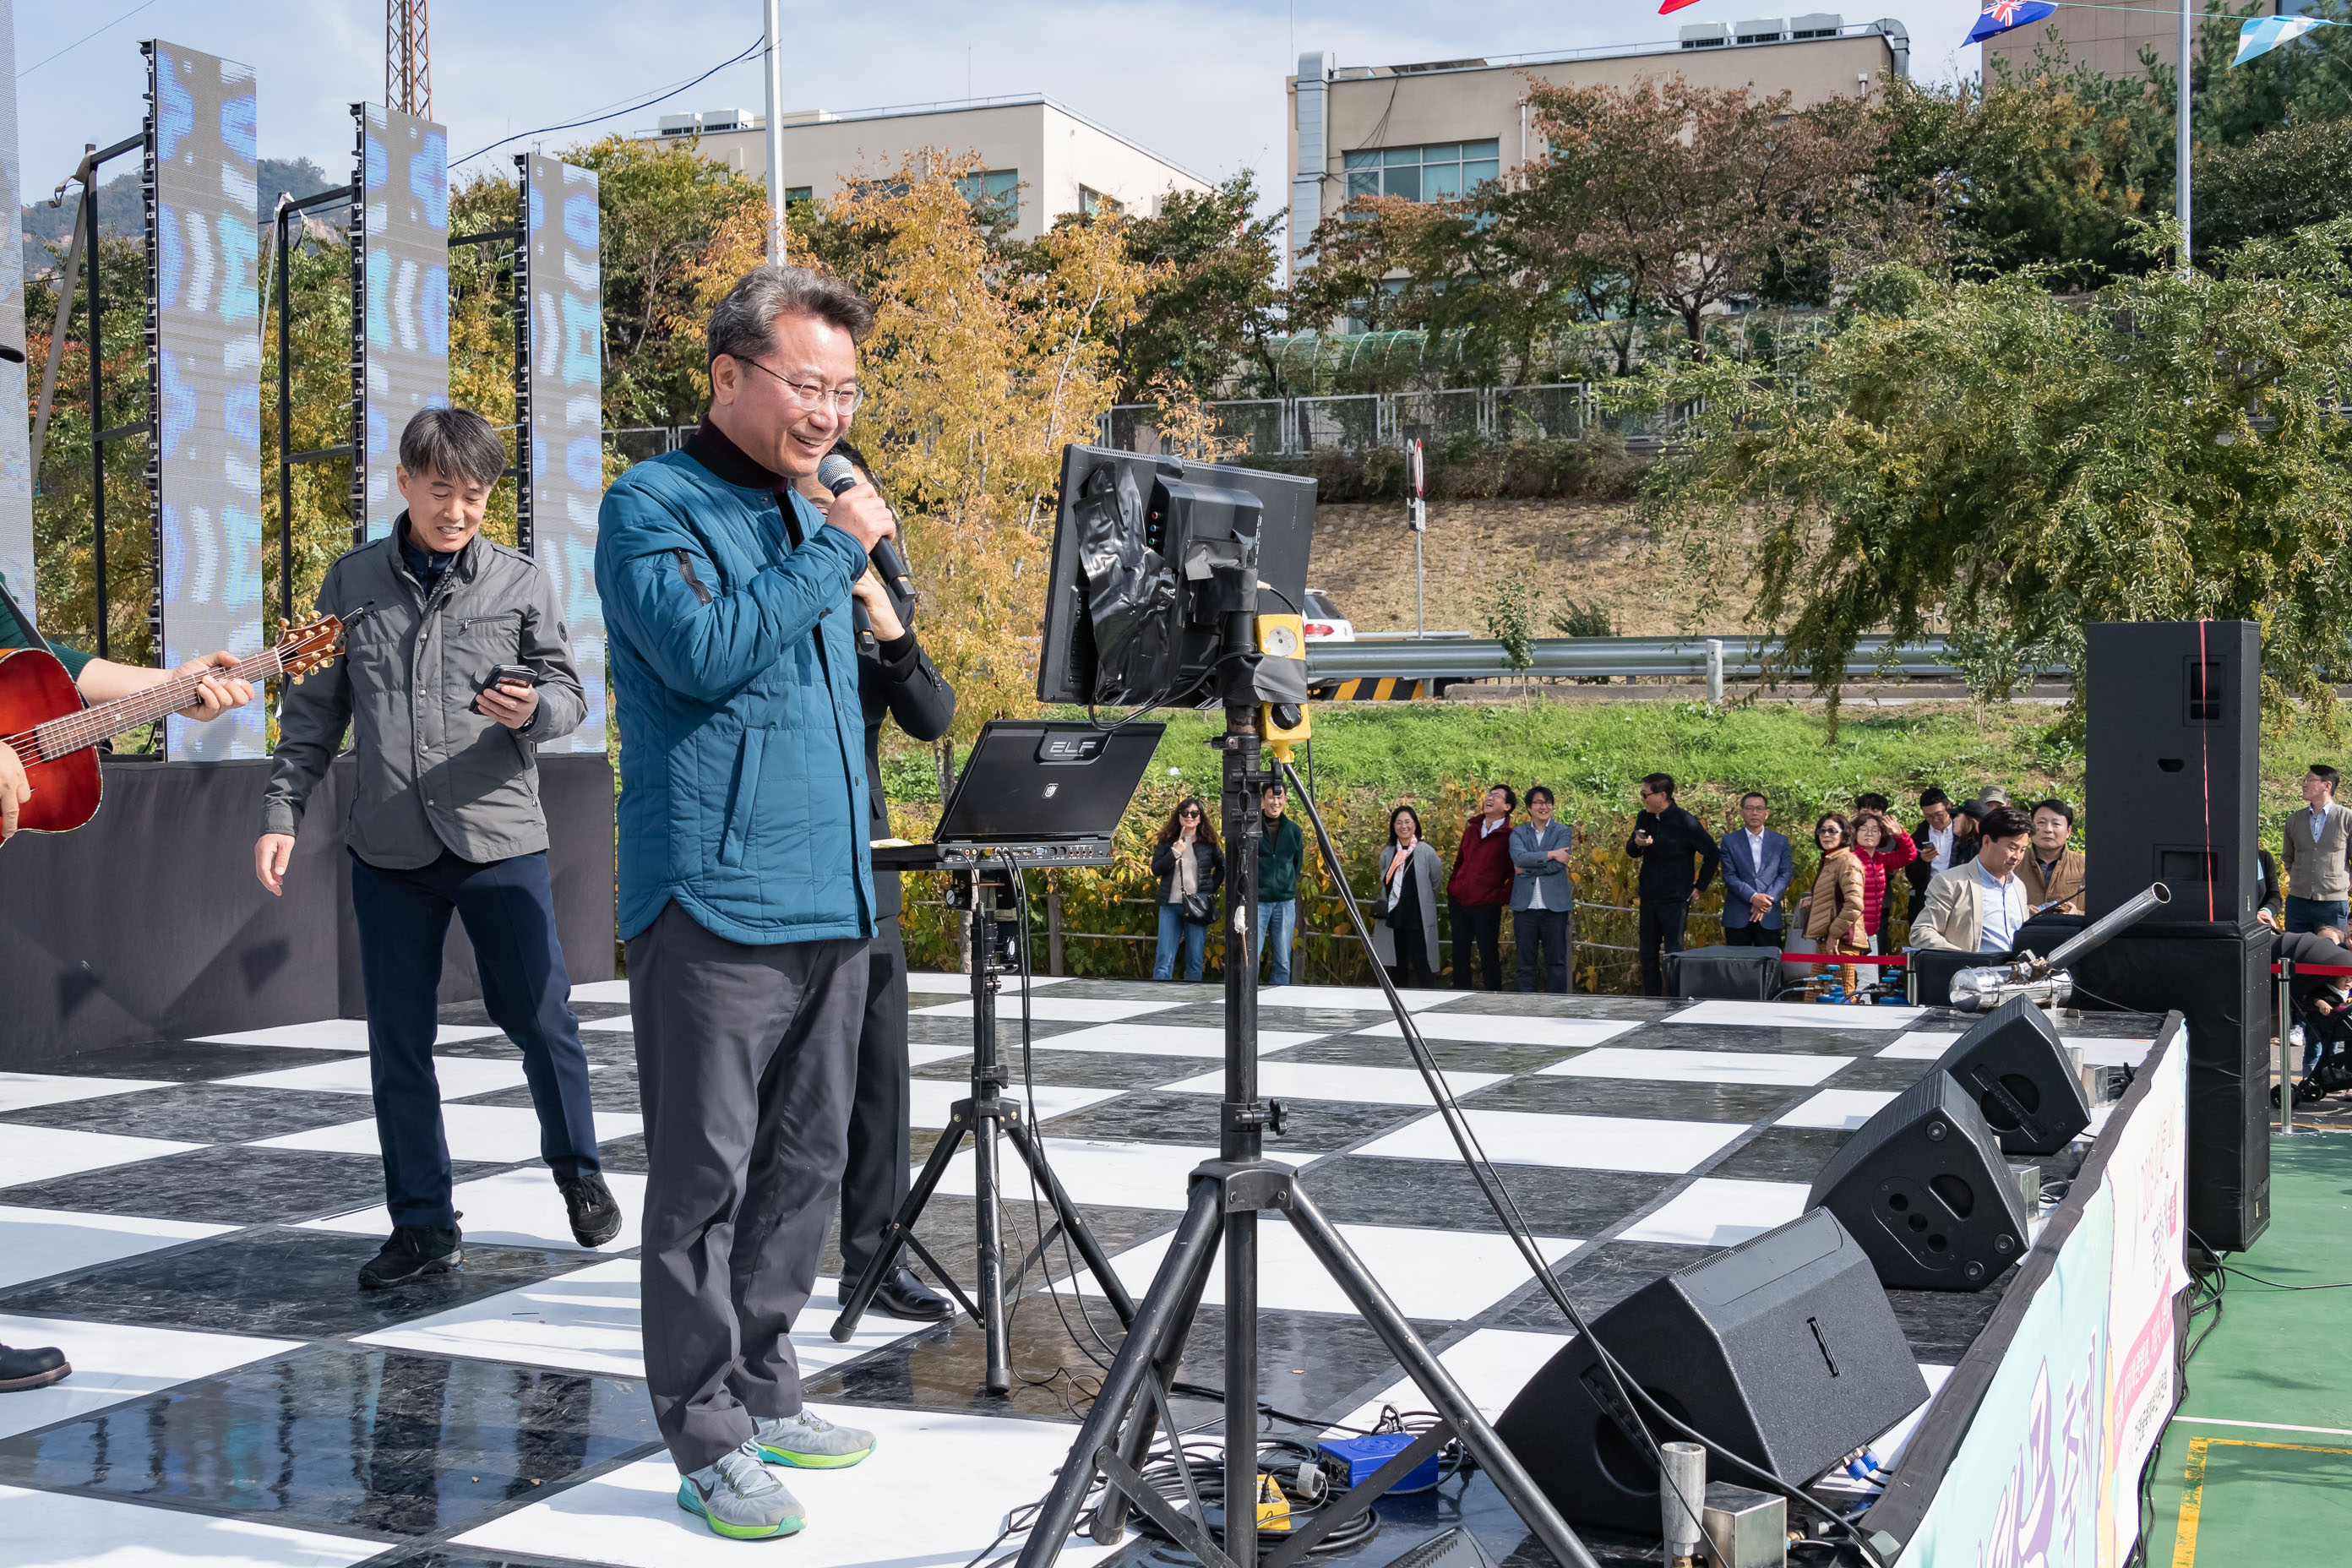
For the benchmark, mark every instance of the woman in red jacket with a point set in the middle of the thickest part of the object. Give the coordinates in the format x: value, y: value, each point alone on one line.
x: 1480, y: 888
x: 1882, y: 851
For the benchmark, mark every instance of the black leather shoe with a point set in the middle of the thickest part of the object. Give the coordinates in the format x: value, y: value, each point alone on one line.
x: 31, y: 1369
x: 904, y: 1296
x: 595, y: 1213
x: 413, y: 1250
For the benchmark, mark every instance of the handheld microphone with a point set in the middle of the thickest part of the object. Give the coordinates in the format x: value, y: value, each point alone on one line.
x: 838, y: 474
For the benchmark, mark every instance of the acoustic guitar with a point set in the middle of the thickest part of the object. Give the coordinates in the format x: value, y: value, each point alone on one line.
x: 44, y: 719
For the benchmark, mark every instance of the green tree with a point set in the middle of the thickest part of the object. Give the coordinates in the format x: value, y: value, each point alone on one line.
x: 1990, y: 458
x: 1214, y: 308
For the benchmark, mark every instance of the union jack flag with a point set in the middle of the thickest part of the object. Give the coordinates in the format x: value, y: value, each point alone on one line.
x: 2000, y: 16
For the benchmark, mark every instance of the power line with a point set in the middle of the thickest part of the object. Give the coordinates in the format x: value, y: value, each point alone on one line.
x: 756, y: 46
x: 85, y: 38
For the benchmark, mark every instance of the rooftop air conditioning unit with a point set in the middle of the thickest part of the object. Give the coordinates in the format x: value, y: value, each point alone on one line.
x: 1819, y: 25
x: 723, y: 120
x: 1762, y: 30
x: 677, y: 125
x: 1707, y: 34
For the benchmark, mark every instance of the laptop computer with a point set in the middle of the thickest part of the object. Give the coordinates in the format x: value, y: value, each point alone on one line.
x: 1048, y: 792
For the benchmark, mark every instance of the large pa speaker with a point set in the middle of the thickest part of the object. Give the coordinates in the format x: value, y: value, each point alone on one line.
x: 2173, y: 708
x: 1926, y: 1193
x: 1782, y: 1348
x: 2218, y: 980
x: 2012, y: 1064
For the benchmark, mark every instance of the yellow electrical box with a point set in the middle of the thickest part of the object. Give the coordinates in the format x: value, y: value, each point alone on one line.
x: 1273, y: 1506
x: 1282, y: 637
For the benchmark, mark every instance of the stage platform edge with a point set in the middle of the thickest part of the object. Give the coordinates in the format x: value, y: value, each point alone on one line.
x: 148, y: 922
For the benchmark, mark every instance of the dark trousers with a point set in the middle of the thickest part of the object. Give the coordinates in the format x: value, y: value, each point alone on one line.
x: 1755, y: 934
x: 1542, y: 940
x: 509, y: 908
x: 1662, y: 933
x: 874, y: 1183
x: 746, y: 1060
x: 1478, y: 926
x: 1412, y: 966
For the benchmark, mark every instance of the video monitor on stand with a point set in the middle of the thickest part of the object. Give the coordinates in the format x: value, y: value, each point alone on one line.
x: 1176, y: 583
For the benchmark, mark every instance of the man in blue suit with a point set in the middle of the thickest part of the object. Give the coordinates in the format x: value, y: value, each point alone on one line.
x: 1757, y: 866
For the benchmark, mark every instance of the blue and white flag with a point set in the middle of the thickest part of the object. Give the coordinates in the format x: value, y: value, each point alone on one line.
x: 2260, y: 34
x: 2000, y: 15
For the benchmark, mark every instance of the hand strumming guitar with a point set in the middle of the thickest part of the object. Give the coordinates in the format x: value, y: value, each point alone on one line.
x: 15, y: 789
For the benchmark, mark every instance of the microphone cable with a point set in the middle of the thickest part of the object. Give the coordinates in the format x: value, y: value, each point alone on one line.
x: 1632, y: 1396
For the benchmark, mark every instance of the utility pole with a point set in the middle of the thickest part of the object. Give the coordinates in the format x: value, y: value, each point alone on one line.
x: 2180, y: 141
x: 776, y: 134
x: 407, y: 63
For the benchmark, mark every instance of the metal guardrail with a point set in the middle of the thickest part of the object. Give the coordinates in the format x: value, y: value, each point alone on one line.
x: 1709, y: 660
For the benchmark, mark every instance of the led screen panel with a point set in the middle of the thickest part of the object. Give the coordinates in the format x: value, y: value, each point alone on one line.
x: 15, y: 452
x: 205, y: 371
x: 401, y: 297
x: 562, y: 390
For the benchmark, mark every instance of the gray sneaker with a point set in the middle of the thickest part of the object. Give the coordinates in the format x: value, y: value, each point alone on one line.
x: 809, y: 1442
x: 739, y: 1498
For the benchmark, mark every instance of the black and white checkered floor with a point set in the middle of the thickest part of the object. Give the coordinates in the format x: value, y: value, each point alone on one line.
x: 187, y: 1218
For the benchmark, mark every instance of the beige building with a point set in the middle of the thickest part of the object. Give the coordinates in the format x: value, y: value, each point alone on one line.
x: 2109, y: 38
x: 1432, y: 130
x: 1033, y: 152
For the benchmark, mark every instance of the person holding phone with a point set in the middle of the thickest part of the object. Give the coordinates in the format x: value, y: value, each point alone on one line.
x: 449, y: 683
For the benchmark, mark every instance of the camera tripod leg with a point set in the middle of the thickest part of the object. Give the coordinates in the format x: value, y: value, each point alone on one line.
x: 1073, y: 1225
x: 1189, y: 1255
x: 902, y: 1226
x: 1445, y: 1396
x: 1109, y: 1524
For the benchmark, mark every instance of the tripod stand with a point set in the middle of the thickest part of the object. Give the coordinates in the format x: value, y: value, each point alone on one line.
x: 985, y: 890
x: 1226, y: 1196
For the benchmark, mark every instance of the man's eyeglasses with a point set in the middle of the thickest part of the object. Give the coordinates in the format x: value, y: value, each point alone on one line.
x: 814, y: 396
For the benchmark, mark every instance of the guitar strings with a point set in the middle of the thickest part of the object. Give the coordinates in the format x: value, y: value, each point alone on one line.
x: 56, y: 738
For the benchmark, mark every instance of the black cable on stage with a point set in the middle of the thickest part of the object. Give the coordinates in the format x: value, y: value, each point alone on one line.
x: 1505, y: 1208
x: 758, y: 45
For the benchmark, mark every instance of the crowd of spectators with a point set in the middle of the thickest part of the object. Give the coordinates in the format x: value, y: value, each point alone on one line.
x: 1976, y: 872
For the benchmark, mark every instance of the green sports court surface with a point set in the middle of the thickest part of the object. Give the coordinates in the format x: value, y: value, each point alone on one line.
x: 2256, y: 1468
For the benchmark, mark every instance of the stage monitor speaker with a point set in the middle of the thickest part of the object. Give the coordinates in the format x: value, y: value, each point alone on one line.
x: 1926, y: 1193
x: 2219, y: 981
x: 1782, y: 1348
x: 2012, y: 1064
x: 2174, y: 711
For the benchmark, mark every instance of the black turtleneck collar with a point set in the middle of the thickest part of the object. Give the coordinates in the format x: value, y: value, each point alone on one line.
x: 712, y: 447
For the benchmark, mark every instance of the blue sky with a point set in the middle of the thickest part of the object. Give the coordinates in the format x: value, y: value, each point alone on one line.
x: 1199, y: 83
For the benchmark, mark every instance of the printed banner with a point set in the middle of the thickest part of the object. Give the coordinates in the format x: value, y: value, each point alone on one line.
x: 399, y: 297
x: 2048, y: 1476
x: 205, y: 377
x: 15, y: 446
x: 560, y: 388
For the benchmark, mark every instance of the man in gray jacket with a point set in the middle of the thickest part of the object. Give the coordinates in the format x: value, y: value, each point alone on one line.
x: 2316, y: 854
x: 456, y: 668
x: 1543, y: 900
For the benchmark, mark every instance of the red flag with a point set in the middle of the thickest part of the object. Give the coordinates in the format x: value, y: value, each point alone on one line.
x: 1670, y: 7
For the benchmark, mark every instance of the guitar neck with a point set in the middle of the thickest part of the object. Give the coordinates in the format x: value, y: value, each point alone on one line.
x: 73, y: 732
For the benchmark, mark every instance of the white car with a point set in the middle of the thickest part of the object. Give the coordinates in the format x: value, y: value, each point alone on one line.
x: 1324, y: 621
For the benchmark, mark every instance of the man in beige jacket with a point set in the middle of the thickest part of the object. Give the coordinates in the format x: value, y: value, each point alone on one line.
x: 1978, y: 907
x: 2316, y: 857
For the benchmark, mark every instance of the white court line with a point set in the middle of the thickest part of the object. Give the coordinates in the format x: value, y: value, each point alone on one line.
x: 2264, y: 1426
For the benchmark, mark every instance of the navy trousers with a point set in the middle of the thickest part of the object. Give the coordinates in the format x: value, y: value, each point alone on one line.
x: 509, y: 908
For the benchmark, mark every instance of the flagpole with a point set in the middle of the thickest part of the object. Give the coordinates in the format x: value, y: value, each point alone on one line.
x: 2180, y: 143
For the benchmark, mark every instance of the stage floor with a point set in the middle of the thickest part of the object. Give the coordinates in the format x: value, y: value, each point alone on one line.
x: 186, y: 1218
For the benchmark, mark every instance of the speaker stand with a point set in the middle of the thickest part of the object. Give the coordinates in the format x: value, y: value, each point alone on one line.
x: 1226, y: 1196
x: 980, y: 1117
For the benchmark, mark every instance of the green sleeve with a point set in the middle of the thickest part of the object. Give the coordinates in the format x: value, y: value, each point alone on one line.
x: 13, y: 634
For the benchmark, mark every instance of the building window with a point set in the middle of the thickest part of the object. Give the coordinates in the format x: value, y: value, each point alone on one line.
x: 1437, y: 173
x: 1092, y: 202
x: 996, y: 192
x: 799, y: 195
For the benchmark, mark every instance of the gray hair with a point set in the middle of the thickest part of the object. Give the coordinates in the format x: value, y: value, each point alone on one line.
x: 744, y: 325
x: 455, y: 443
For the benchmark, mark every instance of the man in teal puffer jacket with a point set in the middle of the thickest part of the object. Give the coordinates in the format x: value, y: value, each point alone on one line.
x: 746, y: 898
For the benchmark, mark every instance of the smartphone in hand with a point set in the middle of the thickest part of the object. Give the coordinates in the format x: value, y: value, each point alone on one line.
x: 521, y: 674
